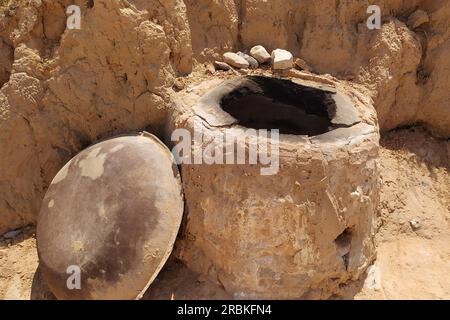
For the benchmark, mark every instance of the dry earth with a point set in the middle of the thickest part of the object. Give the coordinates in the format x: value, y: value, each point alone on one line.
x: 411, y: 264
x: 61, y: 90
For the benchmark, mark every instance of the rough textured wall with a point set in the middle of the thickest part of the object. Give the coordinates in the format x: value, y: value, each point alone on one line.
x: 405, y: 69
x: 68, y: 89
x: 63, y: 89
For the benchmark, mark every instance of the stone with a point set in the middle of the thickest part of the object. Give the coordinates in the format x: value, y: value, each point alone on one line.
x: 178, y: 84
x: 252, y: 61
x: 260, y: 54
x: 219, y: 65
x: 235, y: 60
x: 243, y: 71
x: 373, y: 279
x: 415, y: 224
x: 112, y: 213
x: 418, y: 18
x: 209, y: 69
x: 302, y: 64
x: 306, y: 75
x: 282, y: 59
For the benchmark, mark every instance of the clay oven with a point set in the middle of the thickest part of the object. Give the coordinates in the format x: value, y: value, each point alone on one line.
x: 307, y: 227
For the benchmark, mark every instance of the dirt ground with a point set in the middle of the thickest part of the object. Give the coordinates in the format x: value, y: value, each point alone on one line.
x: 413, y: 263
x: 413, y: 241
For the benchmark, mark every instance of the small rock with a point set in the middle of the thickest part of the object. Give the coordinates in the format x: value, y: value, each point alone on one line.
x: 210, y: 69
x: 11, y: 234
x: 252, y: 61
x: 302, y: 65
x: 178, y: 84
x: 282, y: 59
x: 306, y: 75
x: 415, y: 224
x: 243, y: 71
x: 373, y: 279
x: 219, y: 65
x: 260, y: 54
x: 358, y: 194
x: 418, y: 18
x: 235, y: 61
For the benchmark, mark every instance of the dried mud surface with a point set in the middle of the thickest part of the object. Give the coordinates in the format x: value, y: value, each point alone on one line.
x: 412, y: 264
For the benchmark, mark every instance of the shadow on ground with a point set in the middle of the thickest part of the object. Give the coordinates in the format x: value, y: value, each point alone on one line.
x: 174, y: 282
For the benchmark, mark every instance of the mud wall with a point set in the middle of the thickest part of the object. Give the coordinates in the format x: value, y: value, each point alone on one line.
x: 63, y: 89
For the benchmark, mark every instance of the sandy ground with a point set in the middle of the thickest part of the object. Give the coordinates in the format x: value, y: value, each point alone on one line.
x: 413, y: 260
x: 413, y: 263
